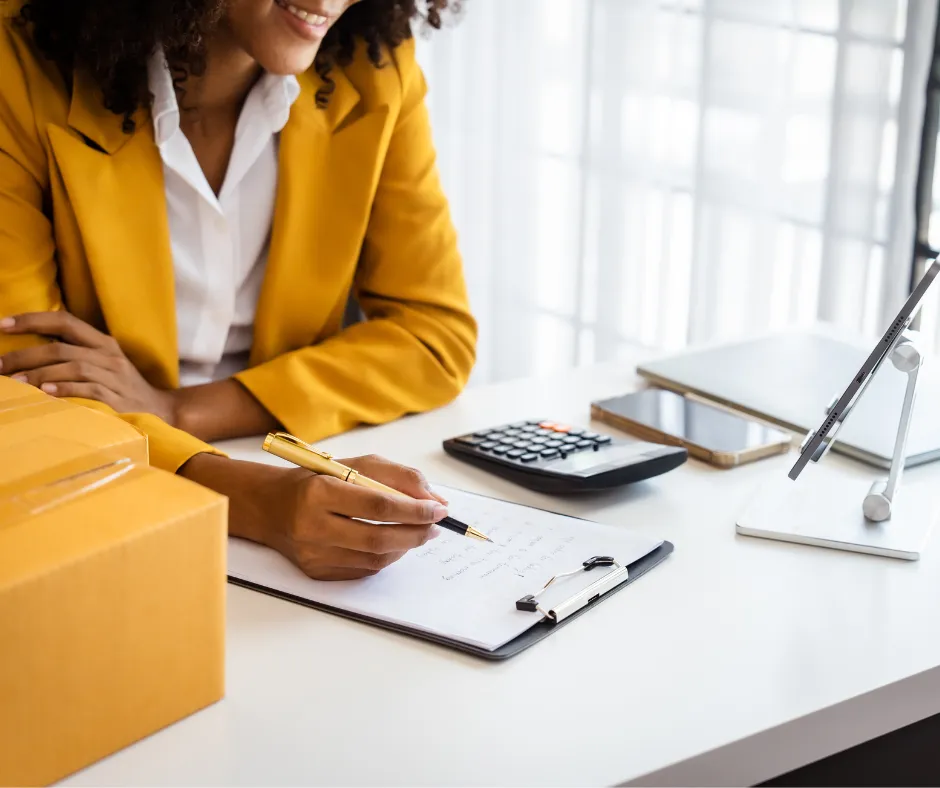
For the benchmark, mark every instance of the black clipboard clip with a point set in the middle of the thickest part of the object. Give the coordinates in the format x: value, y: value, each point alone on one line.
x: 583, y: 598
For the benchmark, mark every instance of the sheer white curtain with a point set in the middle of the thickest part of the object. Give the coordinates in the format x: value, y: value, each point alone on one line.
x: 667, y: 172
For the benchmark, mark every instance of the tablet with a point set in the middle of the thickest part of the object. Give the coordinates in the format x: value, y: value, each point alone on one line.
x: 817, y: 443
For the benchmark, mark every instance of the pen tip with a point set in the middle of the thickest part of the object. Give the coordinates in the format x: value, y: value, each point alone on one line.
x: 489, y: 540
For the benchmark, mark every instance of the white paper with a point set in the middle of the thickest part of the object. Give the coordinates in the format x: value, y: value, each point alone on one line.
x: 458, y: 587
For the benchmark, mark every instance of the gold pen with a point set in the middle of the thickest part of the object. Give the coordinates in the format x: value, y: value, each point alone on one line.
x: 294, y: 450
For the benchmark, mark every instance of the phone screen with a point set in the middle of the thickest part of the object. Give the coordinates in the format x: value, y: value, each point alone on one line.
x: 694, y: 422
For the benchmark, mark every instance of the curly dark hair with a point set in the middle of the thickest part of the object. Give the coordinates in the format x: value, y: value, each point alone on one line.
x: 113, y: 39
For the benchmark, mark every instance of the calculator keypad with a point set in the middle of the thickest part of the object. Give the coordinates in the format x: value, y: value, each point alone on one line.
x: 529, y: 441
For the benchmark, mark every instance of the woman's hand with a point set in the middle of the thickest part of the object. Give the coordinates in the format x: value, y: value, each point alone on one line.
x: 85, y: 363
x: 310, y: 519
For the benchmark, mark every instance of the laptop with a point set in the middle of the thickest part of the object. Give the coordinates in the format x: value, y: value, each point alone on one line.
x: 789, y: 379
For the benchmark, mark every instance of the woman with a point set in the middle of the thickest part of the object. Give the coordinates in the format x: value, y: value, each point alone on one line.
x: 144, y: 269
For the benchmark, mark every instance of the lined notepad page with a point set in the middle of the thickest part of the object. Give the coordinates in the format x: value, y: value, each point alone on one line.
x: 457, y: 587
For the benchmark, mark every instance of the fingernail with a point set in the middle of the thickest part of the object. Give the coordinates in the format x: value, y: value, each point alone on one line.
x: 49, y: 388
x: 434, y: 532
x: 441, y: 498
x: 19, y: 378
x: 7, y: 322
x: 438, y: 512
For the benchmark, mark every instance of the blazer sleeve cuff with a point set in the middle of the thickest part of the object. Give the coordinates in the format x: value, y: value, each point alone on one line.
x: 169, y: 448
x: 294, y: 406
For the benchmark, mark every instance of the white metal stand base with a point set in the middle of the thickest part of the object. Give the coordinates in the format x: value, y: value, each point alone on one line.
x: 824, y: 510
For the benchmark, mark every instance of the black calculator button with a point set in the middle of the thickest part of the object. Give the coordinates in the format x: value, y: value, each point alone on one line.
x: 536, y: 447
x: 544, y: 433
x: 515, y: 453
x: 522, y: 444
x: 584, y: 444
x: 495, y: 436
x: 575, y: 431
x: 549, y: 453
x: 481, y: 433
x: 591, y: 436
x: 470, y: 440
x: 552, y: 444
x: 529, y: 457
x: 511, y: 433
x: 571, y: 439
x: 529, y: 427
x: 487, y: 445
x: 519, y: 425
x: 501, y: 449
x: 538, y: 439
x: 603, y: 440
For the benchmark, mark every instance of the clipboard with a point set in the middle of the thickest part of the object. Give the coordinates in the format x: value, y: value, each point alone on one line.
x: 529, y: 638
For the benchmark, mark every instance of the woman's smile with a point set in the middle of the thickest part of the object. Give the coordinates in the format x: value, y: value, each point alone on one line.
x: 310, y: 24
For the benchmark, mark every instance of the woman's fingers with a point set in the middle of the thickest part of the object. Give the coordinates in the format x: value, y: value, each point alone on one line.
x: 400, y: 477
x: 351, y: 500
x: 334, y: 530
x: 57, y: 324
x: 70, y: 372
x: 376, y: 539
x: 39, y: 356
x: 89, y: 391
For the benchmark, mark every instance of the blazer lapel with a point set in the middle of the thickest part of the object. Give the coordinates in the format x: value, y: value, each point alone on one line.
x: 327, y: 176
x: 328, y: 170
x: 115, y: 185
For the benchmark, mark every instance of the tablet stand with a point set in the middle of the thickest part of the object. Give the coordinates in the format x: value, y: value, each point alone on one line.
x: 822, y: 508
x: 906, y: 357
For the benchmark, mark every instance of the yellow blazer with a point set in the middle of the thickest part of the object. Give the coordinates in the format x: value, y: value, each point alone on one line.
x: 83, y: 226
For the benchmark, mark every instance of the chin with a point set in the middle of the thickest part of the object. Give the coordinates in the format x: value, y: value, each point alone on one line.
x: 284, y: 64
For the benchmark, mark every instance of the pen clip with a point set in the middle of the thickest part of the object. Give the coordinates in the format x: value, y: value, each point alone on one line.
x: 292, y: 439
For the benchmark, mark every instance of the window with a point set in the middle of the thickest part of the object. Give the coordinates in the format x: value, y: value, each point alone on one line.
x: 664, y: 172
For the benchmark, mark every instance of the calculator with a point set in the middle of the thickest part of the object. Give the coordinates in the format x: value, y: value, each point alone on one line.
x: 554, y: 457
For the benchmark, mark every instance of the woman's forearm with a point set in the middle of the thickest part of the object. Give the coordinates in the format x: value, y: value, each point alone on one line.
x: 248, y: 486
x: 220, y: 411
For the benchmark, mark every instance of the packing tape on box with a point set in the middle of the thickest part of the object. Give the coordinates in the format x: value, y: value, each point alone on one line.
x: 59, y: 484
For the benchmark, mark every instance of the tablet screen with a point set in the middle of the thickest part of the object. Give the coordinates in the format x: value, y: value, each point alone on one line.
x: 817, y: 443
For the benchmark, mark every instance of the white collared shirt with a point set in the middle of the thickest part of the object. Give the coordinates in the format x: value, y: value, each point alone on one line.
x: 219, y: 243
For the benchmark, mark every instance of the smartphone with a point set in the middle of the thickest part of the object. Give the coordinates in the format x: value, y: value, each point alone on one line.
x: 712, y: 434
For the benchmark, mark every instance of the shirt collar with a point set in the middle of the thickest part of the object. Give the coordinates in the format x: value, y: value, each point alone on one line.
x: 164, y: 109
x: 277, y: 94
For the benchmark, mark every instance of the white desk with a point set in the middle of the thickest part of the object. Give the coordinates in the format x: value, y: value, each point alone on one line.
x: 736, y: 660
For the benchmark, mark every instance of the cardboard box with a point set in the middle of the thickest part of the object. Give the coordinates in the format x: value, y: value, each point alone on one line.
x: 112, y: 595
x: 27, y: 413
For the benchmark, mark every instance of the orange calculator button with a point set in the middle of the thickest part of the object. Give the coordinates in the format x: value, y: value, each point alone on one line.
x: 561, y: 427
x: 547, y: 425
